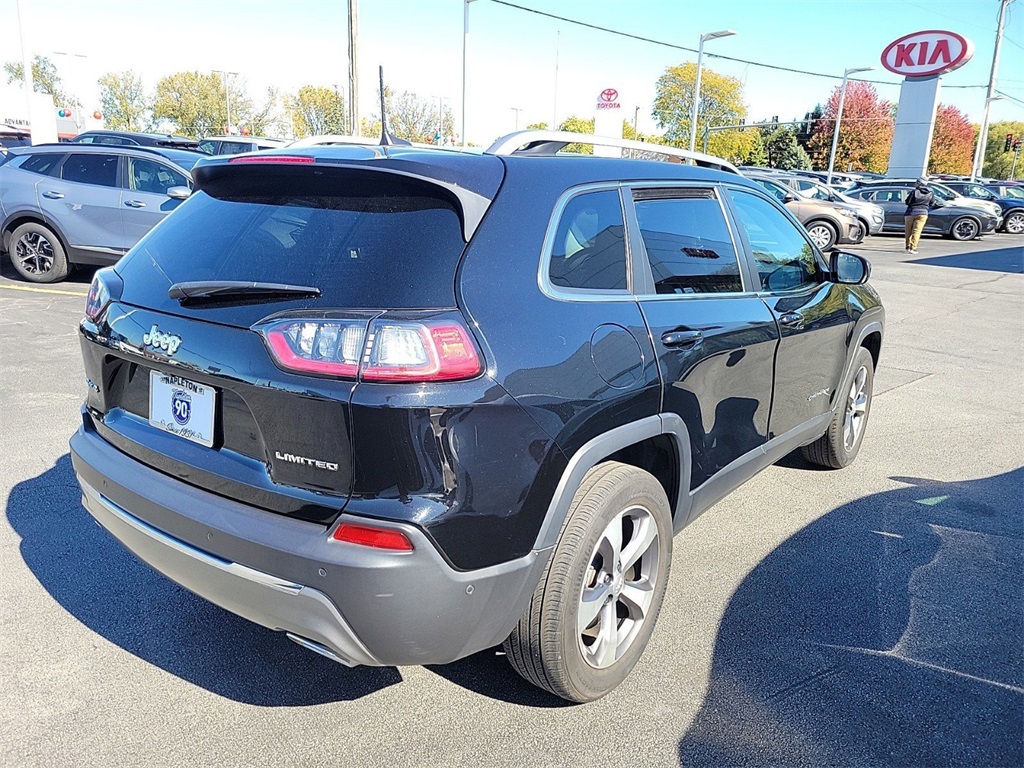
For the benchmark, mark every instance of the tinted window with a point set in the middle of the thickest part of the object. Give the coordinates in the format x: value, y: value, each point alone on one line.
x: 589, y: 251
x: 777, y: 191
x: 91, y: 169
x: 889, y: 195
x: 366, y: 240
x: 688, y: 244
x: 42, y: 164
x: 784, y: 257
x: 234, y: 147
x: 209, y: 147
x: 150, y: 176
x: 975, y: 190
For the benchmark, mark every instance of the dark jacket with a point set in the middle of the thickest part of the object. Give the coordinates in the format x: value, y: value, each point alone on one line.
x: 919, y: 200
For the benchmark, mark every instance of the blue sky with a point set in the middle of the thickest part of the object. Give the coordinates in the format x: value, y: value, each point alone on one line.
x: 288, y: 43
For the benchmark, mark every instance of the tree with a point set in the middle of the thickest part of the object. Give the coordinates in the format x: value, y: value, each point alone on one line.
x: 45, y: 79
x: 865, y: 136
x: 805, y: 130
x: 124, y: 101
x: 721, y: 103
x: 537, y: 127
x: 952, y: 149
x: 317, y: 110
x: 193, y: 102
x: 412, y: 117
x: 757, y: 154
x: 998, y: 163
x: 576, y: 124
x: 264, y: 121
x: 783, y: 151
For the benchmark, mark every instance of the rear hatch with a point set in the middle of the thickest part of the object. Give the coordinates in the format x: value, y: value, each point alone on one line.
x: 354, y: 235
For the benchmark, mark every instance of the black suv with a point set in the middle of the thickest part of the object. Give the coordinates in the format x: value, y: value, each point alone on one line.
x: 408, y: 404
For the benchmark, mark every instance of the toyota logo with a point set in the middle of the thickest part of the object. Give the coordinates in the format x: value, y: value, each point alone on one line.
x: 609, y: 94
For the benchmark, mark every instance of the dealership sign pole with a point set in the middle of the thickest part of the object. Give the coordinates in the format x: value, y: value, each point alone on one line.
x: 922, y: 58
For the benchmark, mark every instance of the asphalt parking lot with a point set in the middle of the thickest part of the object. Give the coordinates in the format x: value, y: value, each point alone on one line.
x: 870, y: 616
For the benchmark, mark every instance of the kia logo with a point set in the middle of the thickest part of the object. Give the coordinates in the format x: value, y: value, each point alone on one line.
x: 922, y: 54
x: 609, y: 94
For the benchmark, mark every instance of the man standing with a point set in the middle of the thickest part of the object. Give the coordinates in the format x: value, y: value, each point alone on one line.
x: 919, y: 201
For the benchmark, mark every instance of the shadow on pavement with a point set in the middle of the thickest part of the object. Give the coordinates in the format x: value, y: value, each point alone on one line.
x: 102, y: 585
x: 998, y: 260
x: 887, y: 632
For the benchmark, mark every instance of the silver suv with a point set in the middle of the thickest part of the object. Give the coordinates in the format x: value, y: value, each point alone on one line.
x: 67, y: 204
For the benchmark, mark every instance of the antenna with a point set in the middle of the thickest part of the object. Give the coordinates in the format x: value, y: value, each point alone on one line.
x: 386, y: 139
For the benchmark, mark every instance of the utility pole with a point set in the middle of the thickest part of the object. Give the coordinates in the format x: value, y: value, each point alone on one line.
x: 26, y: 63
x: 353, y: 68
x: 636, y: 114
x: 465, y: 55
x: 979, y: 151
x: 554, y: 107
x: 227, y: 94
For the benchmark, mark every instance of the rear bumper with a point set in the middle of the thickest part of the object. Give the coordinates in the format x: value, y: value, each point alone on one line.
x: 356, y: 604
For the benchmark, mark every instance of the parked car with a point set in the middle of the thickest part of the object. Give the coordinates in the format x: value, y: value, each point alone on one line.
x: 826, y: 223
x: 132, y: 139
x: 409, y: 406
x: 13, y: 136
x: 236, y: 145
x: 941, y: 192
x: 67, y: 204
x: 956, y: 221
x: 870, y: 216
x: 1006, y: 189
x: 1012, y: 207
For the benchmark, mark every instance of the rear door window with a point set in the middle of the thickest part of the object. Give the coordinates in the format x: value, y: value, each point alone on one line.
x: 91, y: 168
x: 687, y: 240
x: 589, y: 250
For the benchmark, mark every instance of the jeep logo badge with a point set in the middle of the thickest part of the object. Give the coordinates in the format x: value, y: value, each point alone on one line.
x: 159, y: 340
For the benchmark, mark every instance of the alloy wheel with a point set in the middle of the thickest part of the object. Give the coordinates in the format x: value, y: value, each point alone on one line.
x: 619, y: 587
x: 1015, y: 223
x: 34, y: 253
x: 856, y: 409
x: 820, y: 236
x: 966, y: 229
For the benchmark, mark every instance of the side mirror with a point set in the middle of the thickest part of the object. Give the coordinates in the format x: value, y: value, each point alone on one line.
x: 179, y: 193
x: 789, y: 197
x: 849, y: 268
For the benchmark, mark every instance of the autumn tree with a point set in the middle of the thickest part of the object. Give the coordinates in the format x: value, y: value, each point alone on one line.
x: 542, y: 126
x: 952, y: 149
x: 317, y: 110
x: 721, y: 103
x: 264, y: 120
x: 124, y: 103
x: 193, y: 102
x: 865, y: 136
x: 998, y: 163
x: 45, y: 79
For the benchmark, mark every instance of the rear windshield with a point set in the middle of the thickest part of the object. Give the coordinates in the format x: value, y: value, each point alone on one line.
x: 366, y: 240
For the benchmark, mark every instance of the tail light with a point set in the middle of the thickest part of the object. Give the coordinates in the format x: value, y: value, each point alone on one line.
x: 391, y: 349
x: 106, y: 286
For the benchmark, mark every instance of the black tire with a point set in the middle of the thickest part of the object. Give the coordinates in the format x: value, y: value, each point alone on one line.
x: 546, y: 647
x: 965, y: 228
x: 1014, y: 223
x: 37, y: 254
x: 823, y: 234
x: 835, y: 449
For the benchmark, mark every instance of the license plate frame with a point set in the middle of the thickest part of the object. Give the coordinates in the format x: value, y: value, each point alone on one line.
x: 183, y: 407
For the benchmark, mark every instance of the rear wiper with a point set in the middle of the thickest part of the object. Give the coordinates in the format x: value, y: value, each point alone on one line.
x: 222, y: 289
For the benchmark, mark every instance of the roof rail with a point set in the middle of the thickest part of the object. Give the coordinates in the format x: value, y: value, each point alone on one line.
x: 548, y: 143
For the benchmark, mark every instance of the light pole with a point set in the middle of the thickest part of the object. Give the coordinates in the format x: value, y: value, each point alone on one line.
x: 517, y: 110
x: 696, y: 84
x: 839, y: 118
x: 465, y: 47
x: 227, y: 93
x: 979, y: 151
x: 440, y: 116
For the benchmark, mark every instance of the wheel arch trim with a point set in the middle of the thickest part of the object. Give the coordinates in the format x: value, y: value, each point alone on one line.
x: 594, y: 451
x: 27, y: 214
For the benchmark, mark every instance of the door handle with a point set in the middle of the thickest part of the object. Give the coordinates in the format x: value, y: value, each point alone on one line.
x: 53, y: 195
x: 135, y: 203
x: 791, y: 319
x: 682, y: 339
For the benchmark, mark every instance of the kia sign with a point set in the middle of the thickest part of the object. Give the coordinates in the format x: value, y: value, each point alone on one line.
x: 608, y: 99
x: 923, y: 54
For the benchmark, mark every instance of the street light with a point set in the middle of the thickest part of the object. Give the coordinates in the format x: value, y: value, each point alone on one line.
x: 696, y: 85
x: 227, y: 93
x: 979, y: 151
x: 517, y: 110
x: 839, y: 118
x: 465, y: 46
x: 440, y: 115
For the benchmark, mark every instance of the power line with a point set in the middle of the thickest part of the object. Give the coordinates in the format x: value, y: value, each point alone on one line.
x: 662, y: 43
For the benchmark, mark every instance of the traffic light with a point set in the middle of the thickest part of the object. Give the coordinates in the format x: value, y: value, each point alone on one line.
x: 1016, y: 146
x: 1009, y: 142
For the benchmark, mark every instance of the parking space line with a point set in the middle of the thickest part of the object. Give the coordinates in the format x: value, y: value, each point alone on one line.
x: 44, y: 290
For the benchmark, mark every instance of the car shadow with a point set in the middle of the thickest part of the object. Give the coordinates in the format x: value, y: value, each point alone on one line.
x: 886, y: 632
x: 998, y: 260
x: 117, y: 596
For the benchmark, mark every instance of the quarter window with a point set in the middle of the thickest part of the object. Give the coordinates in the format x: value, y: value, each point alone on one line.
x: 42, y: 164
x: 589, y: 252
x: 688, y: 243
x: 91, y: 169
x: 784, y: 256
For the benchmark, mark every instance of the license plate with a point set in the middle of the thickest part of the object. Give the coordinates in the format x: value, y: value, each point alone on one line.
x: 182, y: 407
